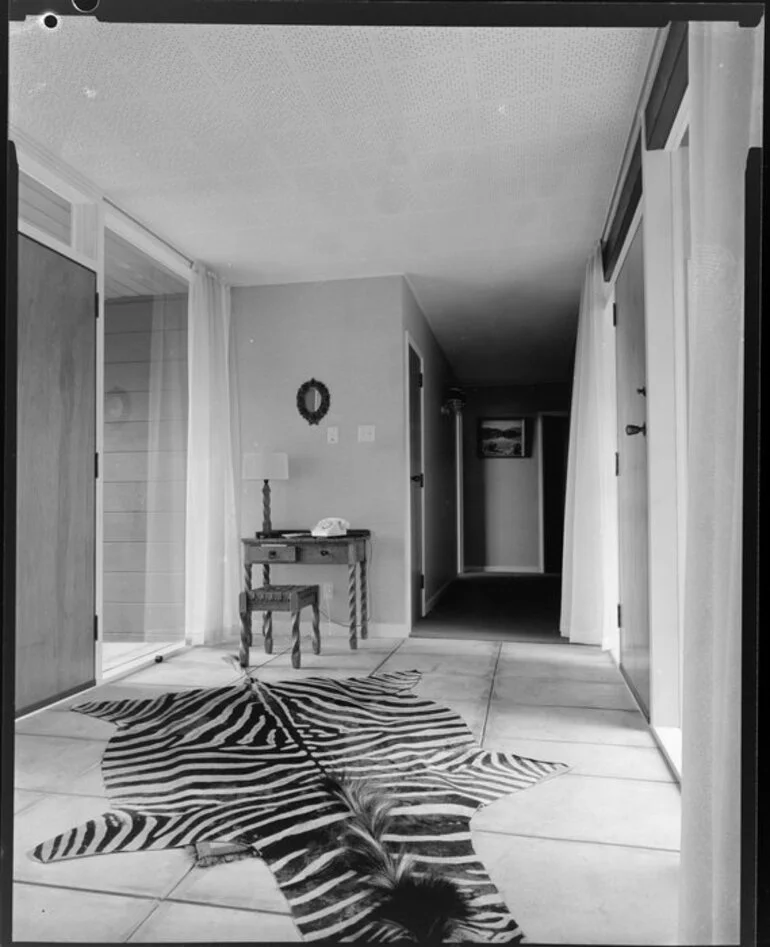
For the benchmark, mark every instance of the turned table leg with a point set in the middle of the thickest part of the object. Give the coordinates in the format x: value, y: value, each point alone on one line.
x: 316, y: 635
x: 267, y: 617
x: 295, y: 643
x: 364, y: 580
x: 352, y: 605
x: 243, y: 606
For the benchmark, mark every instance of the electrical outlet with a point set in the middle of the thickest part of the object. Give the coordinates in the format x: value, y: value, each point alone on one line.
x: 328, y: 589
x: 366, y: 432
x: 332, y: 435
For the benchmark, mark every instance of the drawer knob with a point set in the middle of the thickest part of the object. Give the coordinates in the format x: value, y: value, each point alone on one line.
x: 324, y: 552
x: 272, y: 554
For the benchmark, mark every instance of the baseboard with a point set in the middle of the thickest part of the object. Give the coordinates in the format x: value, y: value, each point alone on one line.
x: 433, y: 600
x: 666, y: 746
x: 506, y: 570
x: 52, y: 701
x: 669, y: 740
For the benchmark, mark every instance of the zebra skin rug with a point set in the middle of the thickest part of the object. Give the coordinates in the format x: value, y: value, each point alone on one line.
x: 247, y: 763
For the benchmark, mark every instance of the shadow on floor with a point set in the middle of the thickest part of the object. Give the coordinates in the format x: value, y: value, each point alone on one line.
x: 497, y: 608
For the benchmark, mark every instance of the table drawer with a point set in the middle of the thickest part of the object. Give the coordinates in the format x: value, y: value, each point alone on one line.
x: 328, y: 554
x: 272, y: 553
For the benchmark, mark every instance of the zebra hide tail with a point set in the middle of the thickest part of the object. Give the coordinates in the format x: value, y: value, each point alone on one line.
x: 423, y: 907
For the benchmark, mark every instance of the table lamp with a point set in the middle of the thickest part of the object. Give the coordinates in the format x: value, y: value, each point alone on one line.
x: 265, y: 467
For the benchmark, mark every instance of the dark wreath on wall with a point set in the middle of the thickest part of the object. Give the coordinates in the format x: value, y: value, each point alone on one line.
x: 313, y: 400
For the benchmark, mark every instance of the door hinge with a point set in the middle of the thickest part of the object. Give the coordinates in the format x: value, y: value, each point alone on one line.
x: 96, y: 466
x: 422, y: 581
x: 97, y: 305
x: 419, y: 380
x: 418, y: 478
x: 614, y: 314
x: 617, y: 464
x: 96, y: 627
x: 620, y: 616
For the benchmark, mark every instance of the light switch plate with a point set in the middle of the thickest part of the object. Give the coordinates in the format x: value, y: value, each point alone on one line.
x: 332, y: 435
x: 365, y: 432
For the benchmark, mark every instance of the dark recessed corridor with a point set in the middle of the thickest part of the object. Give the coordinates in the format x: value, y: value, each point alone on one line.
x: 497, y: 608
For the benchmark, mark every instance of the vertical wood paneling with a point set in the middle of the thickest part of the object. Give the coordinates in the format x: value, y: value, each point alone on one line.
x: 56, y: 485
x: 145, y: 442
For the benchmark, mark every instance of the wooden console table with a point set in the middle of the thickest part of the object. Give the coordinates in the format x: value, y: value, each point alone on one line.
x: 285, y: 547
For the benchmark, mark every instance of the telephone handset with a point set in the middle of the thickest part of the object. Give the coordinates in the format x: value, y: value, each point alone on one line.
x: 331, y: 526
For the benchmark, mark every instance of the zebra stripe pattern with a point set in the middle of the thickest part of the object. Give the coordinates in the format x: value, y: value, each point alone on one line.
x: 246, y: 764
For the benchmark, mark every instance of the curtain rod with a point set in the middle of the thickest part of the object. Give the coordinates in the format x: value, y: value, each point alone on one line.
x: 152, y: 233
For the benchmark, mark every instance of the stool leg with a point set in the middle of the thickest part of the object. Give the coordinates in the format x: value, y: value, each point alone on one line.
x: 352, y: 606
x: 243, y: 607
x: 295, y: 658
x: 316, y: 627
x: 267, y: 631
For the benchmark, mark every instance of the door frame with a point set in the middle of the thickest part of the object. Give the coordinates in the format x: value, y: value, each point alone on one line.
x: 92, y: 213
x: 540, y: 482
x: 459, y: 496
x: 409, y: 342
x: 615, y: 590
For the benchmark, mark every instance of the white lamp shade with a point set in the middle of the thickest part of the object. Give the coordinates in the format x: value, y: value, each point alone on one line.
x: 265, y: 466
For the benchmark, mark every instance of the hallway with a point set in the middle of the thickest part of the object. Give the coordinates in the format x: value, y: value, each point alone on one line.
x: 590, y: 857
x: 496, y: 608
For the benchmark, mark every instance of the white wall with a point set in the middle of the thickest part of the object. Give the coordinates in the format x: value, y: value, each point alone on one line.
x: 502, y: 496
x: 349, y: 335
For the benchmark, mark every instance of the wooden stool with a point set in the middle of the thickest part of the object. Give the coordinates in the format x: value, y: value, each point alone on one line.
x: 279, y: 598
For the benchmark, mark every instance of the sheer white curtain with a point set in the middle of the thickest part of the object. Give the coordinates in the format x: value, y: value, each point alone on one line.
x: 212, y: 540
x: 589, y: 566
x: 725, y: 89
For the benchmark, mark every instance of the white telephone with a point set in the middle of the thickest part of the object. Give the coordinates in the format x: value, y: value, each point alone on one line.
x: 331, y: 526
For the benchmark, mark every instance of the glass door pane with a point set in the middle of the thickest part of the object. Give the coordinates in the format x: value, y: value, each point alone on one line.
x: 145, y: 455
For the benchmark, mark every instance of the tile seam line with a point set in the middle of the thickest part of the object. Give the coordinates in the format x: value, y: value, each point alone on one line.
x: 538, y: 739
x: 620, y: 710
x: 157, y: 900
x: 576, y: 841
x: 490, y: 696
x: 149, y: 898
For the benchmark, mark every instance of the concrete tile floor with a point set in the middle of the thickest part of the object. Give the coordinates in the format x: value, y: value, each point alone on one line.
x: 590, y: 857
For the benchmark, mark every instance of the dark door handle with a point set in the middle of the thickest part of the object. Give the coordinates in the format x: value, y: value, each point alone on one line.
x: 418, y: 478
x: 636, y: 429
x: 642, y: 391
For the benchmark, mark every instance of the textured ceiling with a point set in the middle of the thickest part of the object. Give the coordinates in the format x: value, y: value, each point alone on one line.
x: 478, y: 162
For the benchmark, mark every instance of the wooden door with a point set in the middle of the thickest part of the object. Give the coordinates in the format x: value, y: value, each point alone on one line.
x: 632, y: 472
x: 416, y: 481
x: 555, y: 440
x: 56, y: 510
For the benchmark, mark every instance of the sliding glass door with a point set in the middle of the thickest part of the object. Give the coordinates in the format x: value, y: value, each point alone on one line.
x: 144, y: 455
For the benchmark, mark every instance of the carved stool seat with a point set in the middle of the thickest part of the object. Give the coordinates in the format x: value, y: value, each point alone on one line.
x: 279, y: 598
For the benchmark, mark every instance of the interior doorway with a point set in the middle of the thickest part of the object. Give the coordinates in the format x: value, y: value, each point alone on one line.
x: 633, y: 526
x: 416, y: 484
x: 554, y: 433
x: 145, y: 456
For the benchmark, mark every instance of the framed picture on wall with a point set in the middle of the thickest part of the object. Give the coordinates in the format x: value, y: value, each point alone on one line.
x: 503, y: 437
